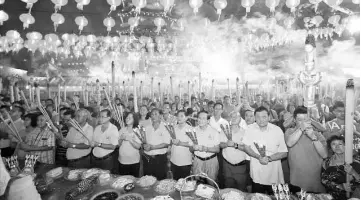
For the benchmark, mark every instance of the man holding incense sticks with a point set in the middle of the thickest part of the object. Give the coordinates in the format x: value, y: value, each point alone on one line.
x: 77, y: 144
x: 206, y: 149
x: 157, y: 142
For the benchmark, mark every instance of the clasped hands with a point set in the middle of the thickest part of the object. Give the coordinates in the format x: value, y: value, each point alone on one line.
x: 199, y: 148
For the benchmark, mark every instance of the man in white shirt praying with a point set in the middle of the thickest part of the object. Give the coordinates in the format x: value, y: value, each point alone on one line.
x: 206, y: 150
x: 79, y: 145
x: 157, y: 142
x: 105, y: 140
x: 181, y: 157
x: 235, y: 170
x: 265, y: 143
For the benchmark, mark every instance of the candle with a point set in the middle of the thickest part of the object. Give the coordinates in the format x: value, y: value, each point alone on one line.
x: 135, y: 101
x: 200, y: 84
x: 237, y: 91
x: 229, y: 88
x: 160, y: 94
x: 141, y: 91
x: 171, y: 88
x: 350, y: 106
x: 213, y: 91
x: 151, y: 89
x: 189, y: 93
x: 113, y: 80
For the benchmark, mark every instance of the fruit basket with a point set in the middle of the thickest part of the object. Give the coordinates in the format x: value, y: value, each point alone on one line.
x: 203, y: 192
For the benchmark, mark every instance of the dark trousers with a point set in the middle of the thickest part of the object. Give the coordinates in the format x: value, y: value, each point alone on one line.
x: 180, y: 171
x: 83, y: 162
x: 7, y: 152
x: 220, y: 178
x: 60, y: 160
x: 132, y: 169
x: 155, y: 166
x: 235, y: 176
x: 259, y: 188
x: 105, y: 163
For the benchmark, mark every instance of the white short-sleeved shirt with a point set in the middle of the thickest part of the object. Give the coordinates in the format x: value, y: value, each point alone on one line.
x: 208, y: 138
x: 274, y: 141
x: 217, y: 124
x: 127, y: 153
x: 180, y: 155
x: 156, y: 137
x: 75, y: 137
x: 109, y: 136
x: 243, y: 124
x: 232, y: 155
x: 145, y: 123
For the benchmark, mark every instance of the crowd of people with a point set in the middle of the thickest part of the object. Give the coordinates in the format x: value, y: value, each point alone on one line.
x: 240, y: 144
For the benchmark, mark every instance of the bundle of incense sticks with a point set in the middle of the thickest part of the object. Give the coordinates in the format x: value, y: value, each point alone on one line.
x: 25, y: 99
x: 116, y: 111
x: 192, y: 135
x: 170, y: 129
x: 77, y: 127
x: 13, y: 165
x: 261, y: 149
x: 30, y: 161
x: 227, y: 131
x: 48, y: 120
x: 12, y: 127
x: 281, y: 191
x: 303, y: 194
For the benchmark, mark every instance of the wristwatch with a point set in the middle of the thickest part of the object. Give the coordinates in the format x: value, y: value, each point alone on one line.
x: 269, y: 159
x: 73, y: 146
x: 235, y: 145
x: 100, y: 144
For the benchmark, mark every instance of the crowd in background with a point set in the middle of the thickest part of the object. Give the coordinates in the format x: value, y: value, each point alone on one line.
x: 244, y: 145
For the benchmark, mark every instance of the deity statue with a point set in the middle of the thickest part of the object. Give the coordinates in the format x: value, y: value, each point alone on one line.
x: 308, y: 77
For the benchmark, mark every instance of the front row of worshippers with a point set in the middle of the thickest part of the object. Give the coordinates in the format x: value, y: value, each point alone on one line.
x: 251, y: 156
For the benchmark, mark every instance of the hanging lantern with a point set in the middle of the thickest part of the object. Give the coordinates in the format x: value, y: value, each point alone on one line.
x: 114, y: 4
x: 159, y: 22
x: 334, y: 20
x: 81, y: 21
x: 81, y: 3
x: 91, y: 38
x: 272, y: 4
x: 292, y: 4
x: 247, y: 4
x: 59, y: 4
x: 34, y: 36
x: 316, y: 20
x: 333, y: 3
x: 356, y: 1
x: 27, y: 19
x: 288, y: 22
x: 139, y: 4
x: 57, y: 19
x: 2, y: 2
x: 29, y: 3
x: 109, y: 23
x: 3, y: 17
x: 13, y: 35
x: 195, y: 4
x: 220, y: 5
x: 133, y: 22
x: 167, y: 4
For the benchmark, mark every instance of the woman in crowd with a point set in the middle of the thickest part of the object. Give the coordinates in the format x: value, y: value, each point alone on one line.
x: 144, y: 116
x: 41, y: 142
x: 335, y: 171
x: 30, y: 123
x: 173, y: 109
x: 129, y: 145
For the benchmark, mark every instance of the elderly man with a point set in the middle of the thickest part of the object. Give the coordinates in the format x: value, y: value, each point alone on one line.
x: 79, y: 145
x: 265, y: 143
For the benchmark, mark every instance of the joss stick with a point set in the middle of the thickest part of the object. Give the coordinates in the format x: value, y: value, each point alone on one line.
x: 64, y: 92
x: 229, y: 88
x: 77, y: 127
x: 16, y: 89
x: 135, y: 97
x: 213, y: 91
x: 237, y: 91
x: 12, y: 131
x: 189, y: 93
x: 113, y: 80
x: 11, y: 88
x: 141, y: 91
x: 48, y: 89
x: 151, y: 89
x: 170, y: 130
x: 349, y: 110
x: 171, y: 87
x: 226, y: 131
x: 160, y: 94
x: 25, y: 100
